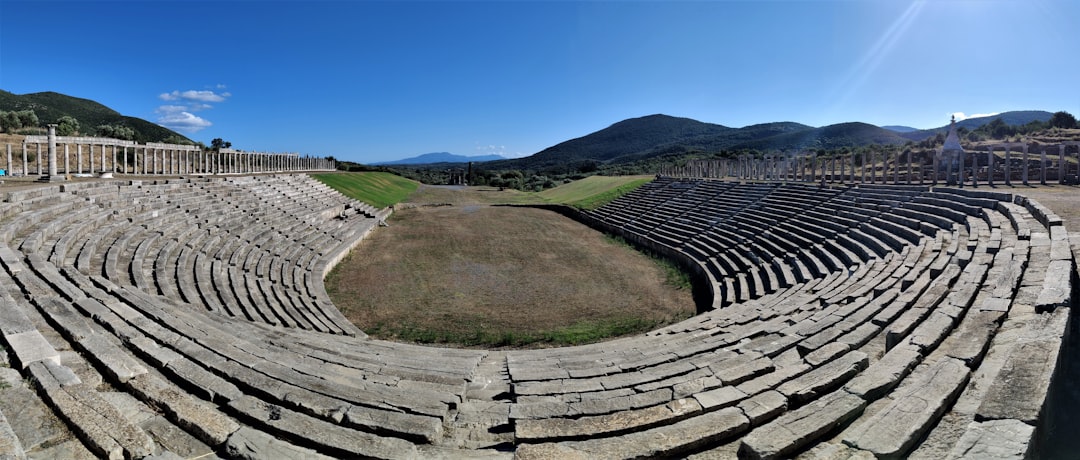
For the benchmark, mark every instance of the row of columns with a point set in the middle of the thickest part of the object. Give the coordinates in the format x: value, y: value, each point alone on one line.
x: 161, y: 159
x: 844, y: 169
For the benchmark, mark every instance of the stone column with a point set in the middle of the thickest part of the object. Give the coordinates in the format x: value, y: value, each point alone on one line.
x: 78, y: 162
x: 909, y: 167
x: 39, y: 159
x: 873, y: 168
x: 937, y: 164
x: 975, y: 170
x: 52, y: 155
x: 1008, y: 165
x: 103, y: 167
x: 67, y: 160
x: 862, y: 169
x: 9, y: 168
x: 990, y: 166
x: 25, y: 162
x: 1042, y: 164
x: 1061, y: 164
x: 1025, y: 174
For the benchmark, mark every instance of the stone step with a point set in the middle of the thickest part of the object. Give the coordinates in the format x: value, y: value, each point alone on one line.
x: 912, y: 410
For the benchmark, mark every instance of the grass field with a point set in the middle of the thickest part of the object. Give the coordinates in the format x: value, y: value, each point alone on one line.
x: 470, y: 274
x: 453, y: 269
x: 594, y: 191
x: 378, y: 189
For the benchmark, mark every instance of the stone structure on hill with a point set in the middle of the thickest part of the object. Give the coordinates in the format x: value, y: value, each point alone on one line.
x: 951, y: 157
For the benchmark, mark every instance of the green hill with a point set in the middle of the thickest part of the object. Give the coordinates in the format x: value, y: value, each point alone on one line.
x: 827, y: 137
x: 643, y: 138
x: 1013, y: 118
x: 51, y: 106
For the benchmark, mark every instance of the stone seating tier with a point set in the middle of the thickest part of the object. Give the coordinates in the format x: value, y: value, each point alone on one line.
x: 839, y: 308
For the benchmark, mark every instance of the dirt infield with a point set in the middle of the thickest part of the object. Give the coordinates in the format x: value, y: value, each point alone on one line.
x: 474, y: 274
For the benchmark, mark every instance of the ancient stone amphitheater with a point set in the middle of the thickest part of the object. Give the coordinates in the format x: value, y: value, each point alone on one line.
x: 188, y: 318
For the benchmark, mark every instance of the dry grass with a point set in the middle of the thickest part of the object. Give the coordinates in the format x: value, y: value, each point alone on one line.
x: 473, y: 274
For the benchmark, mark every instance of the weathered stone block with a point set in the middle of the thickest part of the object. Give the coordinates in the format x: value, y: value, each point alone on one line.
x: 994, y: 439
x: 894, y: 430
x: 795, y: 429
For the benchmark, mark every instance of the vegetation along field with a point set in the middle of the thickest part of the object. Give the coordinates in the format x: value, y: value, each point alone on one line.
x: 453, y: 269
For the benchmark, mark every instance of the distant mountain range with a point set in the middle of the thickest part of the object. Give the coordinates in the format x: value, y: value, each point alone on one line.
x: 1014, y: 118
x: 50, y: 107
x: 900, y: 129
x: 655, y: 135
x: 440, y: 157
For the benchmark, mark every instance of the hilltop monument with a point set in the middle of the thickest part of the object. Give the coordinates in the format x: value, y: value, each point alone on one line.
x: 952, y: 155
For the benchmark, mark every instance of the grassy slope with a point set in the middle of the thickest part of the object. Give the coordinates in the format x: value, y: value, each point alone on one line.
x: 595, y: 191
x: 378, y: 189
x: 384, y: 189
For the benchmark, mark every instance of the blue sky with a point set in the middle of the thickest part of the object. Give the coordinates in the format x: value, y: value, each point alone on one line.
x: 374, y: 81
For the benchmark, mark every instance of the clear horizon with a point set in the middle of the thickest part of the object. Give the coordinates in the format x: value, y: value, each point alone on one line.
x: 383, y: 81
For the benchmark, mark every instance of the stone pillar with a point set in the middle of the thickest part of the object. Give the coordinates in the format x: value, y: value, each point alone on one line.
x: 960, y: 160
x: 937, y: 164
x: 975, y: 170
x: 873, y: 168
x: 9, y: 168
x: 990, y: 166
x: 1061, y: 164
x: 862, y: 169
x: 1008, y: 166
x: 78, y: 162
x: 1042, y: 164
x: 52, y: 155
x: 25, y: 162
x: 909, y: 167
x: 1025, y: 174
x: 125, y: 159
x: 67, y: 160
x: 103, y: 158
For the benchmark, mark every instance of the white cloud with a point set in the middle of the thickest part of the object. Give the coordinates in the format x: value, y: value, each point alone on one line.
x: 961, y: 116
x: 178, y: 118
x: 193, y: 95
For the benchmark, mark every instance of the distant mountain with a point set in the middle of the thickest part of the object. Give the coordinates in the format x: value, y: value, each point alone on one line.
x: 900, y: 129
x: 50, y: 107
x: 654, y: 135
x: 1013, y: 118
x: 827, y: 137
x: 440, y: 157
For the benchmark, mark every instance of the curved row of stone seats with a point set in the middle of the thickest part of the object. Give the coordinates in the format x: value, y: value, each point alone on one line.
x: 965, y: 320
x: 364, y: 399
x: 924, y: 346
x: 135, y: 257
x: 764, y: 237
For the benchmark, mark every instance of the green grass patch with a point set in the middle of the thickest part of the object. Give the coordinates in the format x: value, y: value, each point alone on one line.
x: 594, y: 191
x: 579, y: 333
x: 378, y: 189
